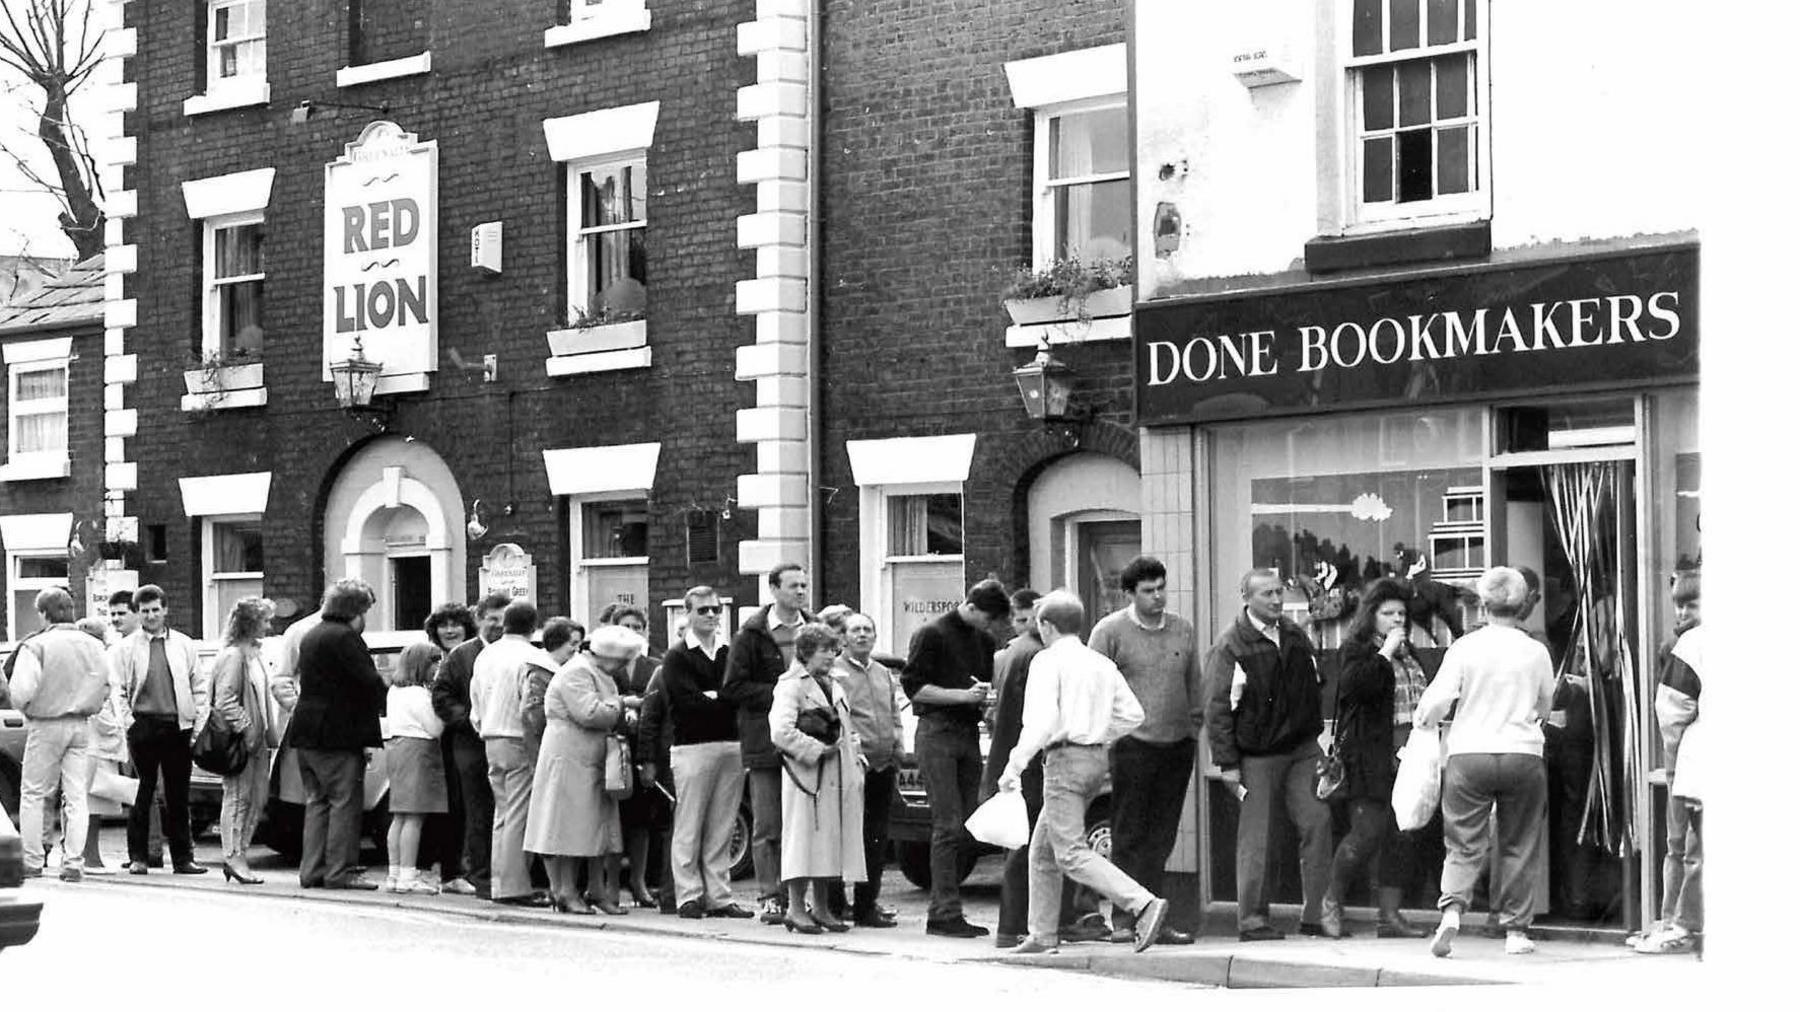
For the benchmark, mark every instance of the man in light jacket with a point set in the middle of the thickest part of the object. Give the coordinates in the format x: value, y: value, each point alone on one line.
x: 165, y: 703
x: 58, y: 683
x: 495, y: 705
x: 1076, y: 705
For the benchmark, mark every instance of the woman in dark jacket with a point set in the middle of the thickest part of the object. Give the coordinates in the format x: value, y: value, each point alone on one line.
x: 1379, y: 681
x: 645, y: 814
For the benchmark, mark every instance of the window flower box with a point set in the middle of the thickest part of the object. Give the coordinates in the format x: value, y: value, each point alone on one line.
x: 223, y: 378
x: 603, y: 337
x: 1057, y: 308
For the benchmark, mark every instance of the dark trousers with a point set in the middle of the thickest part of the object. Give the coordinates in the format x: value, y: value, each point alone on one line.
x: 469, y: 763
x: 950, y: 764
x: 1015, y: 881
x: 332, y: 833
x: 1281, y: 783
x: 442, y: 842
x: 1374, y: 837
x: 1149, y: 786
x: 159, y: 747
x: 878, y: 796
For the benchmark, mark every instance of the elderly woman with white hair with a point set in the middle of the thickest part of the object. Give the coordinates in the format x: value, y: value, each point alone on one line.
x: 572, y: 818
x: 1500, y: 681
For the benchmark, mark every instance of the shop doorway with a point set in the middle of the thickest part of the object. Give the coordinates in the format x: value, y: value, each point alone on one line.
x: 1102, y: 549
x: 410, y: 590
x: 1572, y: 517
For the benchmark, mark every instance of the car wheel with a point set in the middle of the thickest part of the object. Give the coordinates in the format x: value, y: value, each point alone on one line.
x: 375, y: 827
x: 10, y: 780
x: 742, y: 865
x: 915, y: 863
x: 284, y: 830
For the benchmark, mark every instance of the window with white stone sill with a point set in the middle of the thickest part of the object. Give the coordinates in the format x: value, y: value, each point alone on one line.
x: 236, y: 44
x: 37, y: 409
x: 26, y: 574
x: 1416, y: 90
x: 598, y: 19
x: 609, y: 553
x: 1081, y: 169
x: 608, y: 279
x: 231, y: 559
x: 921, y: 552
x: 232, y: 274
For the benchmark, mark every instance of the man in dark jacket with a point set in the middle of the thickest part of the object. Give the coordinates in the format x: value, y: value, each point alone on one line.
x: 1263, y: 722
x: 948, y: 669
x: 761, y: 651
x: 467, y: 771
x: 337, y: 717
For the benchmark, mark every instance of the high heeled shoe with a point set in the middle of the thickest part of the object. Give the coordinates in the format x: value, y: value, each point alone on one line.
x: 563, y: 906
x: 806, y: 927
x: 834, y: 925
x: 233, y: 875
x: 644, y: 900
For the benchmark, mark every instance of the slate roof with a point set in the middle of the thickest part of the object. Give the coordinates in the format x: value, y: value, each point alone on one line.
x: 78, y: 296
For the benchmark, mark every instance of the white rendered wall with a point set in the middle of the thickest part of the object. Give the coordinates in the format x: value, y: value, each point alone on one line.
x: 1593, y: 120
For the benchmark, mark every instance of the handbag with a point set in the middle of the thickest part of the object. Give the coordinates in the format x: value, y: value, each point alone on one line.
x: 616, y: 776
x: 217, y: 748
x: 820, y: 724
x: 1328, y: 773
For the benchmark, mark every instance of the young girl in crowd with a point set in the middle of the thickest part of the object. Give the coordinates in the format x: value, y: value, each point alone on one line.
x: 415, y: 765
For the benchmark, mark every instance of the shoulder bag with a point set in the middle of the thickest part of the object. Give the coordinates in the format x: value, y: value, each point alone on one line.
x: 218, y: 749
x: 1328, y: 774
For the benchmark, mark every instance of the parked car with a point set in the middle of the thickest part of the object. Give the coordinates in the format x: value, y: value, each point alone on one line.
x: 12, y: 759
x: 18, y: 918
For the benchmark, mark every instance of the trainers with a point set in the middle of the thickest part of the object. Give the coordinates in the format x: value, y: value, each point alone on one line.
x: 460, y: 886
x: 70, y: 873
x: 774, y: 911
x: 691, y: 910
x: 1518, y: 943
x: 1032, y: 947
x: 97, y: 869
x: 1668, y: 940
x: 1445, y: 936
x: 1150, y: 923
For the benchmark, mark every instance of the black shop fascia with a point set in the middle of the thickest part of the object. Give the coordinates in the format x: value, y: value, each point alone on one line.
x: 1587, y: 322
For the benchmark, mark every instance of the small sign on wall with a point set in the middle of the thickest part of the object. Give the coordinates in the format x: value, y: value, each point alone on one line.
x: 508, y: 568
x: 104, y: 583
x: 1260, y: 65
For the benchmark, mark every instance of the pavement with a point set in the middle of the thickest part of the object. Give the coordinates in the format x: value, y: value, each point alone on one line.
x: 1218, y: 961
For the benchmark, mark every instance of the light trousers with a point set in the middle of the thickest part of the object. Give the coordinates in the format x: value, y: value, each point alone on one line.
x: 1074, y: 776
x: 1681, y: 904
x: 241, y: 803
x: 509, y: 777
x: 55, y: 752
x: 1509, y: 790
x: 709, y: 782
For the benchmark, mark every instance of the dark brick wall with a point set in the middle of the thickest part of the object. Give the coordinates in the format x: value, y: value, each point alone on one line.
x: 80, y: 493
x: 390, y: 29
x: 927, y: 205
x: 491, y: 85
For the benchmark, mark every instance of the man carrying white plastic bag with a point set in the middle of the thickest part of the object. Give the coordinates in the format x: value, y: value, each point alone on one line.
x: 1076, y: 704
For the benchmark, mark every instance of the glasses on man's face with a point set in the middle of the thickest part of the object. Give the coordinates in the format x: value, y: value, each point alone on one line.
x: 709, y: 609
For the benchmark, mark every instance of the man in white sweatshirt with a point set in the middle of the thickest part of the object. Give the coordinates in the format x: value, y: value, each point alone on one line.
x: 494, y: 710
x: 1076, y: 704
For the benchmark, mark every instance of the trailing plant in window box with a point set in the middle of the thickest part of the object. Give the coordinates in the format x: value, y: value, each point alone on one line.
x: 597, y: 314
x: 1066, y: 288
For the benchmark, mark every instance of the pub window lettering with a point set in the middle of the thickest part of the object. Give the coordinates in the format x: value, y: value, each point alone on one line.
x: 1082, y: 165
x: 232, y: 275
x: 235, y: 43
x: 1417, y: 81
x: 608, y: 260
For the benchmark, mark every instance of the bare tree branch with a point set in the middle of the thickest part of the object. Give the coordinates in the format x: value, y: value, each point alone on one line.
x: 49, y: 48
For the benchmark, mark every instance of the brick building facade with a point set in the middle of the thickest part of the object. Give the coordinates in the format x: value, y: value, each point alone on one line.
x: 516, y: 103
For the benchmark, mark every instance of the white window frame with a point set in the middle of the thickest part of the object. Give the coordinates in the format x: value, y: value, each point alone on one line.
x: 1043, y: 217
x: 41, y: 406
x: 16, y: 584
x: 597, y: 20
x: 212, y: 300
x: 215, y: 81
x: 576, y: 234
x: 1475, y: 205
x: 878, y: 580
x: 213, y: 622
x: 580, y: 563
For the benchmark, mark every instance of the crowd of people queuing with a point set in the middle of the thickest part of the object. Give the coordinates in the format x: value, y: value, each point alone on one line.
x: 533, y: 761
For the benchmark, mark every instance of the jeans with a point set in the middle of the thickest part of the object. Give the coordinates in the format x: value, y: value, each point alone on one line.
x: 950, y: 764
x: 159, y: 746
x: 471, y: 774
x: 1015, y: 880
x: 1510, y: 788
x: 765, y: 832
x: 1149, y: 786
x: 509, y: 777
x: 333, y: 829
x: 1374, y: 837
x: 1289, y: 777
x: 55, y: 752
x: 878, y: 797
x: 242, y: 798
x: 709, y: 781
x: 1681, y: 904
x: 1074, y: 775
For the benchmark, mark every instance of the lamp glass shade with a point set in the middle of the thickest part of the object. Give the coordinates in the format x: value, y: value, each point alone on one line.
x: 1044, y: 387
x: 354, y: 379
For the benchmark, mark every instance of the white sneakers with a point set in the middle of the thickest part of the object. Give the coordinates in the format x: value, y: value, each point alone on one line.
x: 1667, y: 940
x: 1518, y: 943
x: 1445, y: 935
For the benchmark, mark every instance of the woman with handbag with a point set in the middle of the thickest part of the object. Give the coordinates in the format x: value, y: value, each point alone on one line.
x: 822, y: 789
x: 1379, y: 681
x: 242, y: 698
x: 646, y: 813
x: 572, y: 818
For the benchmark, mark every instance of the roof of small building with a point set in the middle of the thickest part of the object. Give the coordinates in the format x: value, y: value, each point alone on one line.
x: 75, y: 297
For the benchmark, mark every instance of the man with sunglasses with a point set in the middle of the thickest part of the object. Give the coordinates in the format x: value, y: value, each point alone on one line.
x: 709, y: 776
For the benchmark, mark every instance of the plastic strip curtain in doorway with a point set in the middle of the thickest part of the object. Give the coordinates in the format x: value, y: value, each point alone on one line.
x: 1585, y: 505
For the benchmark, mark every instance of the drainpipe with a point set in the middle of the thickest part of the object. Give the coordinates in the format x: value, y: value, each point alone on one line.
x: 815, y: 325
